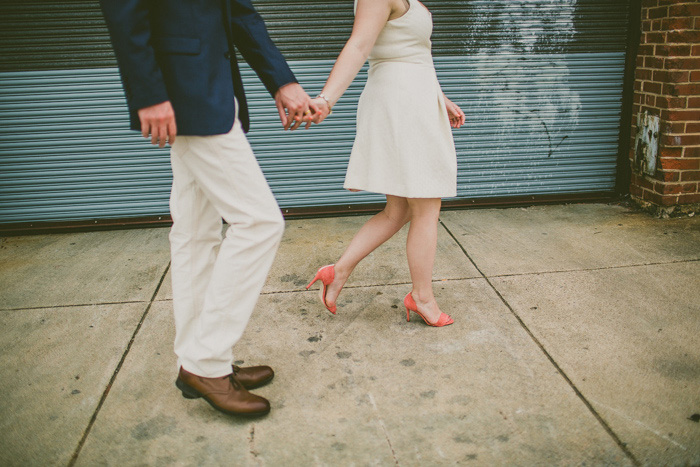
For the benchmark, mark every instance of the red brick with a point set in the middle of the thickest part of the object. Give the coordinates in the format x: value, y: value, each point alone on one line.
x: 689, y: 199
x: 682, y: 63
x: 681, y: 115
x: 658, y: 38
x: 668, y: 50
x: 695, y: 76
x: 679, y: 164
x: 678, y: 188
x: 659, y: 12
x: 686, y: 22
x: 670, y: 153
x: 689, y: 140
x: 651, y: 86
x: 657, y: 25
x: 644, y: 182
x: 654, y: 62
x: 689, y: 175
x: 650, y: 100
x: 664, y: 102
x: 649, y: 49
x: 671, y: 140
x: 695, y: 50
x: 664, y: 76
x: 670, y: 89
x: 640, y: 61
x: 672, y: 127
x: 667, y: 176
x: 691, y: 153
x: 687, y: 9
x: 692, y: 89
x: 693, y: 127
x: 659, y: 199
x: 684, y: 37
x: 644, y: 74
x: 646, y: 25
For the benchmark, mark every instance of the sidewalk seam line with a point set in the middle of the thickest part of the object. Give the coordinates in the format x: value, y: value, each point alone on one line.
x: 105, y: 393
x: 370, y: 286
x: 603, y: 268
x: 561, y: 372
x: 127, y: 302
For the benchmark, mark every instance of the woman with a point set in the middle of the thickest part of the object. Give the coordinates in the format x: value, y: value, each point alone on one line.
x: 403, y: 147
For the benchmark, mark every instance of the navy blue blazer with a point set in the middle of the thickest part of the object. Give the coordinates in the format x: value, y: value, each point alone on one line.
x: 183, y: 51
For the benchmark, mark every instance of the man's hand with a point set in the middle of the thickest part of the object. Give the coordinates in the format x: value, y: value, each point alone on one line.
x: 158, y: 121
x: 294, y: 106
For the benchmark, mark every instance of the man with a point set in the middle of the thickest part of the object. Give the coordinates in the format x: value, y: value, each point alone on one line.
x: 181, y: 78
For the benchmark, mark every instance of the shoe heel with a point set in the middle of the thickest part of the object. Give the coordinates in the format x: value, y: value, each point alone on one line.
x: 187, y: 392
x: 312, y: 282
x: 408, y: 315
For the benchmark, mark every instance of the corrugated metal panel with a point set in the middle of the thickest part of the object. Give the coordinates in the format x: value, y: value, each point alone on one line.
x: 540, y: 81
x: 63, y: 34
x: 536, y: 125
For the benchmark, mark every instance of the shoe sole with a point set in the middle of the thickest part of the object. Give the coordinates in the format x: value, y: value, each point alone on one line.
x: 189, y: 392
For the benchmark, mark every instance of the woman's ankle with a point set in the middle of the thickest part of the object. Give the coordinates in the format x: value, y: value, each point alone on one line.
x: 342, y: 272
x: 423, y: 296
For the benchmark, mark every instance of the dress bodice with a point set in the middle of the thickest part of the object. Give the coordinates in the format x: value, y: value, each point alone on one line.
x: 406, y: 38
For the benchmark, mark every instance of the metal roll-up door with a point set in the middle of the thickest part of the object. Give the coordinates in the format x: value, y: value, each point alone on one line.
x: 540, y: 80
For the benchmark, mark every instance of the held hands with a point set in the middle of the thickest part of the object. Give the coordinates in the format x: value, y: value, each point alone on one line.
x: 158, y: 121
x: 323, y: 109
x: 455, y: 114
x: 295, y: 106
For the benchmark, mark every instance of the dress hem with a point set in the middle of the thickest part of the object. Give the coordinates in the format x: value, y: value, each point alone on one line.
x: 385, y: 192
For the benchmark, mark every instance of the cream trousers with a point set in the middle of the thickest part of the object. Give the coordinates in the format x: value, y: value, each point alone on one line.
x: 216, y: 282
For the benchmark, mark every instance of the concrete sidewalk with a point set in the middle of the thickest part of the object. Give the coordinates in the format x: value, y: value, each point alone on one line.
x: 576, y: 341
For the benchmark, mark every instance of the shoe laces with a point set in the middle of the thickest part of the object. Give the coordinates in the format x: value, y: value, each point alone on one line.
x: 234, y: 382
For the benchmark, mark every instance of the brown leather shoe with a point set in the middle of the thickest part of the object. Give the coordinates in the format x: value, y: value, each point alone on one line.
x: 225, y: 394
x: 252, y: 377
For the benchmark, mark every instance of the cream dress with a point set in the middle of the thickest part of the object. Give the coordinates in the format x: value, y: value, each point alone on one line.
x: 404, y: 145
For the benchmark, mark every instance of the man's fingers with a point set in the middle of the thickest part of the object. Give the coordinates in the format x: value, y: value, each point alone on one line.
x: 162, y: 136
x: 172, y: 132
x: 297, y: 121
x: 283, y: 115
x: 155, y: 134
x: 145, y: 128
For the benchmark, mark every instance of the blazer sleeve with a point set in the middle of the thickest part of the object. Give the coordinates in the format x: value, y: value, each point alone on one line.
x: 251, y: 38
x: 130, y: 31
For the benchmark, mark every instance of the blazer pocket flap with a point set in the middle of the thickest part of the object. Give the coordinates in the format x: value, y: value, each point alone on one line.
x: 177, y: 45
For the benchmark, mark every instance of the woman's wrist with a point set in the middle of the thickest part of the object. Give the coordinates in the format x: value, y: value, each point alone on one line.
x: 328, y: 101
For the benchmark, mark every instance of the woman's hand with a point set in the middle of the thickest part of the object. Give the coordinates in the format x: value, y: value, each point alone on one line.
x: 323, y: 110
x: 455, y: 114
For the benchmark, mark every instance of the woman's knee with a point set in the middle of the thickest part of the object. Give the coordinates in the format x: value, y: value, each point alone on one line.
x: 424, y: 208
x: 397, y: 210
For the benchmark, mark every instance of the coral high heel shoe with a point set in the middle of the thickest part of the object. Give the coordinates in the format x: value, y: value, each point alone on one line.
x: 326, y: 275
x: 410, y: 305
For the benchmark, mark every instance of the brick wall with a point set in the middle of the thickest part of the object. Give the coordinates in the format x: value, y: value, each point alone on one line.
x: 667, y: 85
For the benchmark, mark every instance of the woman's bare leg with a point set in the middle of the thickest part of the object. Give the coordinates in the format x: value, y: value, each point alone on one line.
x: 376, y: 231
x: 420, y: 250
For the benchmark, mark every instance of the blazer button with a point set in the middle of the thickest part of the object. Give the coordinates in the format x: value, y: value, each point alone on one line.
x: 227, y: 55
